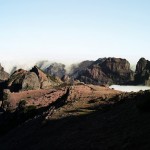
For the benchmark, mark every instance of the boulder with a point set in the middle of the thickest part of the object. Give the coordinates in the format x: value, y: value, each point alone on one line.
x: 46, y: 81
x: 23, y: 80
x: 30, y: 82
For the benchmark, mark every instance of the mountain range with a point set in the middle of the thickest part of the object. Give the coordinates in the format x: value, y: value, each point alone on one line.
x: 102, y: 71
x: 49, y: 107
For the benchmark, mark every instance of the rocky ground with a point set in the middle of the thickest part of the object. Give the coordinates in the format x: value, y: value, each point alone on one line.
x: 77, y: 117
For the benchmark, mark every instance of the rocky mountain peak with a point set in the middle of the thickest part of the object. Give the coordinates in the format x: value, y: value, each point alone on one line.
x: 142, y: 73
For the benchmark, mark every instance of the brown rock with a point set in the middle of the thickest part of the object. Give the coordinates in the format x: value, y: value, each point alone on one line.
x: 107, y: 71
x: 142, y: 73
x: 46, y: 81
x: 23, y: 80
x: 31, y: 82
x: 3, y: 75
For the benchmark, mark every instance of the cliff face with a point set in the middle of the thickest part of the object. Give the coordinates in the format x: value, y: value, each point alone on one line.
x: 107, y: 71
x: 142, y: 73
x: 3, y: 75
x: 118, y: 70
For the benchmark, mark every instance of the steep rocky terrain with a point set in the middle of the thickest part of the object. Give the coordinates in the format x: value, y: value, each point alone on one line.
x: 56, y: 69
x: 23, y: 80
x: 107, y: 71
x: 31, y: 80
x: 46, y: 81
x: 39, y: 111
x: 77, y: 69
x: 142, y: 73
x: 99, y: 72
x: 77, y: 117
x: 3, y: 75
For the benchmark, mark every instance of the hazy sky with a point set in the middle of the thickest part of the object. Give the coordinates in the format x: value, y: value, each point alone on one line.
x: 74, y: 30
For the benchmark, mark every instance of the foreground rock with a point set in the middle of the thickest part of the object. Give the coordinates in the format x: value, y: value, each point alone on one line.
x: 46, y: 81
x: 23, y: 80
x: 31, y: 80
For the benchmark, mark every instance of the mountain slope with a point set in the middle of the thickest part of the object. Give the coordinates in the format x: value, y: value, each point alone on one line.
x: 106, y: 122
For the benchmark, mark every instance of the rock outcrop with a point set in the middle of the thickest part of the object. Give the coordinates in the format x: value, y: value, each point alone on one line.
x: 56, y: 69
x: 107, y: 71
x: 31, y: 80
x: 23, y: 80
x: 3, y: 75
x: 77, y: 69
x: 142, y: 73
x: 46, y: 81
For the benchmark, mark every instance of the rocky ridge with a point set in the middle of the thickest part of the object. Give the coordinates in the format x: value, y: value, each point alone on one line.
x: 142, y: 72
x: 3, y: 75
x: 107, y: 71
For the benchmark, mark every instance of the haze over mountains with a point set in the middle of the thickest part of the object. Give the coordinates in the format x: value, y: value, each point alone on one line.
x: 47, y: 108
x: 11, y: 65
x: 101, y: 71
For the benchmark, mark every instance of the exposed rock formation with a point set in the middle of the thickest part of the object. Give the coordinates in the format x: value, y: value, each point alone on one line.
x: 56, y: 69
x: 107, y: 71
x: 118, y: 70
x: 77, y: 69
x: 142, y: 73
x: 31, y: 80
x: 3, y: 75
x: 45, y: 80
x: 23, y: 80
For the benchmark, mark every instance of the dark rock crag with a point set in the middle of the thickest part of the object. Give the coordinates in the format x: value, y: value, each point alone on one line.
x: 107, y: 71
x: 56, y: 69
x: 142, y: 73
x: 3, y: 75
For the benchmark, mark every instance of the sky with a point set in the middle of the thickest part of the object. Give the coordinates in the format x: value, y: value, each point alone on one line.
x: 70, y: 31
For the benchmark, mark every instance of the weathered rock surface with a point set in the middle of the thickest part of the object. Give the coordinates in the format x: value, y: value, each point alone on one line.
x: 31, y: 80
x: 23, y: 80
x: 46, y: 81
x: 56, y: 69
x: 106, y: 71
x: 3, y: 75
x: 142, y: 73
x: 77, y: 69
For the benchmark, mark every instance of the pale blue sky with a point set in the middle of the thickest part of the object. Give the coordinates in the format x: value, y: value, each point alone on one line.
x: 73, y: 30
